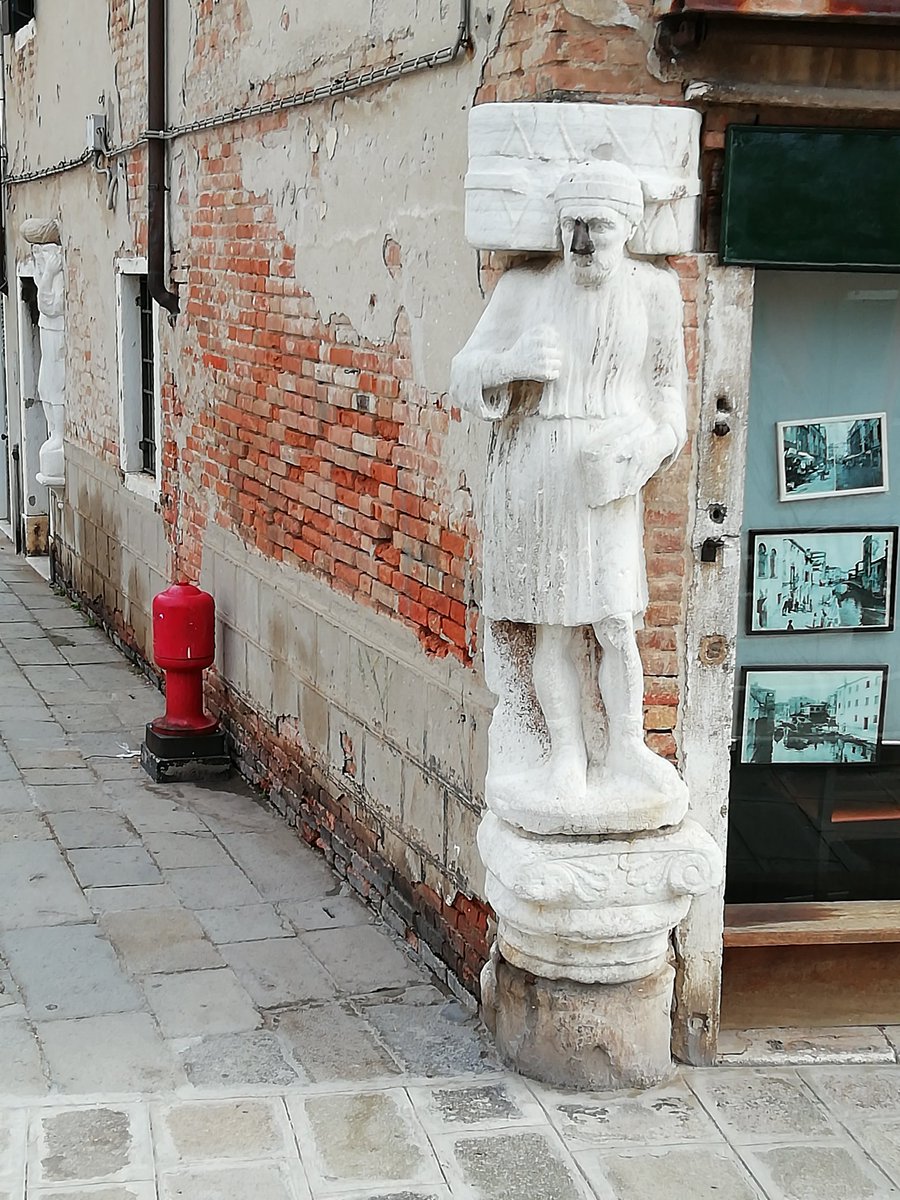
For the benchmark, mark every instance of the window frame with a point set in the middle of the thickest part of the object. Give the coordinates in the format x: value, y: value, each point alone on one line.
x: 129, y: 349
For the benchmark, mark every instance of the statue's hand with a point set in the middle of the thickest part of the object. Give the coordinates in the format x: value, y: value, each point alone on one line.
x: 536, y: 355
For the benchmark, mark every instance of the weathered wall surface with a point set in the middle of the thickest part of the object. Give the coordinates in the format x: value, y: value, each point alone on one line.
x: 314, y: 475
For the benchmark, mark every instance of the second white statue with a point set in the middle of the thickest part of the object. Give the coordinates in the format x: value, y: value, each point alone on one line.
x: 579, y: 362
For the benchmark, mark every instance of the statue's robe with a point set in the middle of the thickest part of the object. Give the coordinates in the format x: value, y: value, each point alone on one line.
x: 553, y: 554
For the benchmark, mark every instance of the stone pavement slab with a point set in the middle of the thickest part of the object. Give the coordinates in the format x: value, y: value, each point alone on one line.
x: 68, y: 971
x: 114, y: 1053
x: 195, y: 1003
x: 37, y: 887
x: 334, y: 1042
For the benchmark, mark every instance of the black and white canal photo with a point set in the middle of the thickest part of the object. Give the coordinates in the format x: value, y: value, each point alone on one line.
x: 812, y: 714
x: 832, y: 456
x: 822, y: 580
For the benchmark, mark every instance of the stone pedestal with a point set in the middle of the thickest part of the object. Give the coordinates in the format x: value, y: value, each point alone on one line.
x: 585, y: 1036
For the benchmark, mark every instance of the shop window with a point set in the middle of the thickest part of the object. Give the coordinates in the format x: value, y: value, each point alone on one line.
x: 815, y: 783
x: 139, y: 392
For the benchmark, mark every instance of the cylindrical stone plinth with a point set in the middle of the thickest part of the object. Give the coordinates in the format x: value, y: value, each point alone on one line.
x: 592, y: 1037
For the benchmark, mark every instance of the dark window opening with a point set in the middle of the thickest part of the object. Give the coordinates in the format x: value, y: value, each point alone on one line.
x: 14, y: 14
x: 148, y: 380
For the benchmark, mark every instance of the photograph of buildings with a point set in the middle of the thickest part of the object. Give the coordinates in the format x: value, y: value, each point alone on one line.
x: 822, y: 580
x: 832, y: 456
x: 812, y: 714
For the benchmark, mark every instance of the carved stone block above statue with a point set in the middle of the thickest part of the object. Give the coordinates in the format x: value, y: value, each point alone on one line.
x: 519, y: 153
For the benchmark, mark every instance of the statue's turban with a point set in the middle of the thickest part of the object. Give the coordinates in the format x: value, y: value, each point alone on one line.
x: 609, y: 184
x: 41, y: 232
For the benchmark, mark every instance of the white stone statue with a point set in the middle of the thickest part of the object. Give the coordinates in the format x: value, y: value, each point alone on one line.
x: 44, y: 238
x: 579, y: 363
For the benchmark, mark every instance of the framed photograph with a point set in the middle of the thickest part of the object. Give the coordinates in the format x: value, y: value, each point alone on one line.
x: 821, y: 580
x: 812, y: 714
x: 832, y: 456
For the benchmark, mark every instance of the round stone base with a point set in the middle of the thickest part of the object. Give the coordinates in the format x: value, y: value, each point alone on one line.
x: 592, y: 1037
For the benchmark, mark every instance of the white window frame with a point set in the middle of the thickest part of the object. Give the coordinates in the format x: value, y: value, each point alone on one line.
x: 128, y: 343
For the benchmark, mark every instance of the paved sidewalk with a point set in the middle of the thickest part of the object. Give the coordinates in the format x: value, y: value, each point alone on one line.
x: 191, y: 1008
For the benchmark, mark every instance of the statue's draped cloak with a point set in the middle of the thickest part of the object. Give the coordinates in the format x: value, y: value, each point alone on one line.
x: 551, y: 557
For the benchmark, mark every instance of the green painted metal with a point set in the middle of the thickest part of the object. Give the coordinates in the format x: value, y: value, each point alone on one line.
x: 824, y: 199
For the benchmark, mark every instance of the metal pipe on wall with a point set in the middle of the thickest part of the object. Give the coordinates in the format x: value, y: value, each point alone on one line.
x: 156, y: 157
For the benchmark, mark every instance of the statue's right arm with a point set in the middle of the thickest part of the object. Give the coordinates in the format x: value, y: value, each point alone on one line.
x: 487, y: 362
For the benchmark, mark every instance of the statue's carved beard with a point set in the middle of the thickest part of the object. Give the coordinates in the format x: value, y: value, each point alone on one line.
x: 599, y: 268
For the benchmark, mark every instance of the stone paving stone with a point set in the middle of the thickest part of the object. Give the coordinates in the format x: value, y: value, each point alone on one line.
x: 515, y: 1166
x: 823, y: 1171
x: 333, y: 1042
x: 682, y: 1173
x: 252, y: 923
x: 280, y: 865
x: 239, y: 1060
x: 67, y: 971
x: 436, y: 1193
x: 120, y: 1052
x: 22, y: 827
x: 84, y: 718
x: 363, y: 958
x: 369, y: 1139
x: 127, y: 899
x: 881, y: 1141
x: 13, y: 1147
x: 208, y: 887
x: 278, y: 971
x: 229, y: 1183
x: 65, y: 797
x: 150, y: 812
x: 48, y: 680
x: 36, y: 757
x: 198, y: 1131
x: 177, y: 850
x: 670, y: 1115
x: 37, y: 888
x: 476, y: 1106
x: 90, y: 653
x: 34, y: 652
x: 62, y: 775
x: 100, y: 1144
x: 336, y: 912
x: 14, y: 797
x: 426, y: 1041
x: 114, y: 866
x: 758, y: 1105
x: 200, y: 1002
x: 118, y: 1191
x: 232, y: 808
x: 782, y: 1047
x: 156, y: 942
x: 21, y: 1070
x: 91, y: 830
x: 862, y: 1091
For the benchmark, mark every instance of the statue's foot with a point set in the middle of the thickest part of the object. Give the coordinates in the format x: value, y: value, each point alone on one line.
x: 633, y: 759
x: 568, y: 771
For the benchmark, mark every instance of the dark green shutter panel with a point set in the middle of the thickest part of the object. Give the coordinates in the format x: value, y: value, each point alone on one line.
x: 816, y: 198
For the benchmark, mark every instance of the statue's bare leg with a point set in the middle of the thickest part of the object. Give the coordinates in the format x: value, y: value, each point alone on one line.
x: 558, y: 689
x: 622, y: 689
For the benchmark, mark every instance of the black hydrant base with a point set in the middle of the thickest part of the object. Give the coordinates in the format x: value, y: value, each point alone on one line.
x: 194, y: 756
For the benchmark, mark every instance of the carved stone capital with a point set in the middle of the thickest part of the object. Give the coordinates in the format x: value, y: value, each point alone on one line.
x: 593, y: 910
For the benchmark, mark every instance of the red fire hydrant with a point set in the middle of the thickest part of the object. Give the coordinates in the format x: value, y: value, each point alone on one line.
x: 184, y: 645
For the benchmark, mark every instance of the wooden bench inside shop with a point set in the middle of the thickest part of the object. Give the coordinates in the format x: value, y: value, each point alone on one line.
x: 811, y: 965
